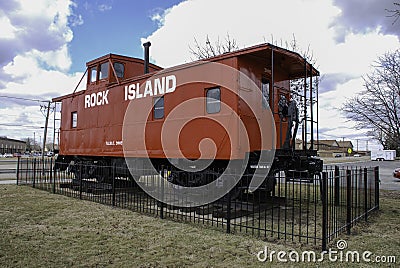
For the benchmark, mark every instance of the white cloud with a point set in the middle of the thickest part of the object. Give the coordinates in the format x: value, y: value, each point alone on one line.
x: 76, y: 20
x: 8, y: 31
x: 21, y: 67
x: 356, y: 54
x: 104, y: 7
x: 361, y: 16
x: 41, y: 25
x: 30, y: 63
x: 263, y: 21
x: 158, y: 15
x: 314, y: 23
x: 335, y: 98
x: 57, y: 84
x: 57, y: 59
x: 25, y: 117
x: 34, y: 61
x: 29, y: 76
x: 53, y: 14
x: 39, y: 40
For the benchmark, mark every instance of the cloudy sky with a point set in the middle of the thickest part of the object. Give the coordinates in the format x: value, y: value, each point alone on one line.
x: 44, y: 45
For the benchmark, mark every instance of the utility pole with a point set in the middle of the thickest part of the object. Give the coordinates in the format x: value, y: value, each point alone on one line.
x: 45, y: 129
x: 357, y: 145
x: 344, y: 148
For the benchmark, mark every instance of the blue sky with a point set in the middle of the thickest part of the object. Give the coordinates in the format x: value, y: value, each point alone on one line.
x: 44, y: 45
x: 112, y: 27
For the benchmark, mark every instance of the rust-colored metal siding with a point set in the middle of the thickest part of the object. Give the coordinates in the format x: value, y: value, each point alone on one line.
x: 100, y: 129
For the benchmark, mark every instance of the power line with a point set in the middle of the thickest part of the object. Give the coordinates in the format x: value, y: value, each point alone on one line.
x: 15, y: 125
x: 19, y: 98
x: 18, y: 115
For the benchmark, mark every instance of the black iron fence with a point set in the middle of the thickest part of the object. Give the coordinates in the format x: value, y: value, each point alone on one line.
x: 307, y: 210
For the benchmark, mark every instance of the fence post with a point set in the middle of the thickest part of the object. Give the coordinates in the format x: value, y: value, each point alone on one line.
x: 18, y: 161
x: 34, y: 172
x: 324, y: 198
x: 366, y: 193
x: 337, y: 186
x: 377, y: 181
x: 113, y: 185
x: 161, y: 203
x: 26, y: 170
x: 80, y: 180
x: 349, y: 201
x: 53, y: 174
x: 228, y: 214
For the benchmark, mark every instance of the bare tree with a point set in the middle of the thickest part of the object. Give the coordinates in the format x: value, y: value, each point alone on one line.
x: 377, y: 108
x: 300, y: 85
x: 294, y: 46
x: 210, y: 49
x: 29, y: 144
x: 395, y: 12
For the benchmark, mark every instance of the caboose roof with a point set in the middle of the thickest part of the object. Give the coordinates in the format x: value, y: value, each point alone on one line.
x: 119, y: 57
x: 295, y: 65
x: 288, y: 60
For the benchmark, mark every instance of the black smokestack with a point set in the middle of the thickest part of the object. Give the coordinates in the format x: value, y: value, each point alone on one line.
x: 146, y: 56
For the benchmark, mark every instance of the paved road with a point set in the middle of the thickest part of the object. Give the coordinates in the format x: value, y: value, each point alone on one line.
x: 385, y: 171
x: 8, y: 171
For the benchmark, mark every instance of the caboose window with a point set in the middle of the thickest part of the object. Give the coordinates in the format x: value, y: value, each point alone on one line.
x: 265, y: 92
x: 213, y: 100
x: 119, y: 69
x: 74, y: 119
x: 103, y: 70
x: 93, y: 74
x: 159, y: 108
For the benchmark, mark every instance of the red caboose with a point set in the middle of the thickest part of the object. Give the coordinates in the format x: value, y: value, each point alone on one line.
x: 235, y: 106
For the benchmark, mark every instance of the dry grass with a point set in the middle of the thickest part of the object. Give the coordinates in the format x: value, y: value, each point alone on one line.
x: 39, y: 229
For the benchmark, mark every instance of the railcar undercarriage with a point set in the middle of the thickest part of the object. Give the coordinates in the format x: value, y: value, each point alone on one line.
x: 298, y: 165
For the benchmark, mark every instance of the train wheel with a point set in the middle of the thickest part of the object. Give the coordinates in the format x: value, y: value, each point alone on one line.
x: 237, y: 193
x: 103, y: 172
x: 76, y: 169
x: 266, y: 189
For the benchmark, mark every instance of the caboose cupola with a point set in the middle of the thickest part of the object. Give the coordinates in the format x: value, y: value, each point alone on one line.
x: 113, y: 69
